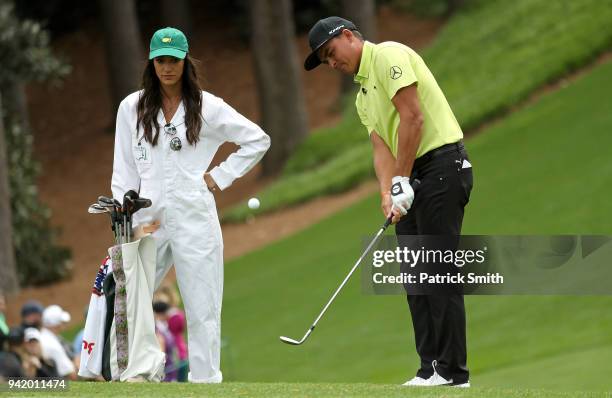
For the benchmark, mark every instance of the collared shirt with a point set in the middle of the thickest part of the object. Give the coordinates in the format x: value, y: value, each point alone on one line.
x: 384, y: 69
x: 52, y: 350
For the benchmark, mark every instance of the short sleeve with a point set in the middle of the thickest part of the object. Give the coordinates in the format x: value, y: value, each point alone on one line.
x: 394, y: 70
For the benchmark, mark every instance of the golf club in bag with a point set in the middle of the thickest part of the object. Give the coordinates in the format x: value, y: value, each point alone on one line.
x: 414, y: 183
x: 115, y: 214
x: 118, y: 307
x: 121, y: 214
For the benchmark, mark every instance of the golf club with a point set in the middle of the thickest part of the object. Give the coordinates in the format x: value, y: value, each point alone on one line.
x: 131, y: 204
x: 115, y: 207
x: 109, y: 204
x: 97, y: 209
x: 128, y: 202
x: 118, y: 217
x: 135, y: 205
x: 382, y: 229
x: 141, y: 203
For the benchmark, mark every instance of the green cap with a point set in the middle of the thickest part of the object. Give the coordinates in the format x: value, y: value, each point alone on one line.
x: 168, y: 41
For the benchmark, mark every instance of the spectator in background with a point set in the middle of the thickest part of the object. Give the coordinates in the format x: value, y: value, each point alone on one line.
x: 176, y: 325
x: 37, y: 365
x: 54, y: 320
x: 77, y: 343
x: 4, y: 329
x: 31, y: 314
x: 10, y: 360
x: 166, y: 341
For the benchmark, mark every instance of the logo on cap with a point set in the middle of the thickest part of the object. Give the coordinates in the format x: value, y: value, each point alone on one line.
x: 167, y: 39
x: 395, y: 72
x: 336, y: 29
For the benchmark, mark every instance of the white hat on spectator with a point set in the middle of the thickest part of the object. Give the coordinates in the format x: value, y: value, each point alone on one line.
x: 54, y: 315
x: 31, y: 334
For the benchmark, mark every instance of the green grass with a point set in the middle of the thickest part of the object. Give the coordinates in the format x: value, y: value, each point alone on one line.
x: 545, y: 169
x: 486, y: 59
x: 83, y: 389
x: 554, y: 153
x: 489, y: 58
x: 326, y: 143
x: 339, y: 174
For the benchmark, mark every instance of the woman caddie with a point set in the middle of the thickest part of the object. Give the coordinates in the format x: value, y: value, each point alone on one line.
x: 166, y: 137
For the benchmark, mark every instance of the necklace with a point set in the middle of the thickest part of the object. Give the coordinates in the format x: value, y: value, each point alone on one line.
x: 169, y: 108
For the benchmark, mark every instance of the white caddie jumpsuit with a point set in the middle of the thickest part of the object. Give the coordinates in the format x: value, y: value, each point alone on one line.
x: 190, y: 234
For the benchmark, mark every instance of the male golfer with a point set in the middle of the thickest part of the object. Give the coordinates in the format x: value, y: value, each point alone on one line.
x: 414, y: 134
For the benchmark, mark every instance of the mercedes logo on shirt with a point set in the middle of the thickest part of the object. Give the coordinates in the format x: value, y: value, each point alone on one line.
x: 395, y: 72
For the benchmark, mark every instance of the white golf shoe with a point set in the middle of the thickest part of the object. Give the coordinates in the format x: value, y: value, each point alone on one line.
x: 436, y: 379
x: 416, y: 381
x: 462, y: 385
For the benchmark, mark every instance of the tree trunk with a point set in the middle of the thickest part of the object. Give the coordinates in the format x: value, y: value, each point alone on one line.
x: 8, y: 273
x: 277, y: 70
x: 363, y: 14
x: 177, y: 14
x: 17, y: 107
x: 123, y: 47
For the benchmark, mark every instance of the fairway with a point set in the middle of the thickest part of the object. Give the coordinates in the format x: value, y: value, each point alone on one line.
x: 544, y: 169
x: 84, y: 389
x: 241, y: 152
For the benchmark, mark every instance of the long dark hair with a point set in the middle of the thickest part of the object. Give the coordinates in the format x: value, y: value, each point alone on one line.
x: 150, y: 102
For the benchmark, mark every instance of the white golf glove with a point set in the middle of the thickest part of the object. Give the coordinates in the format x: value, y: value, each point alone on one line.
x: 402, y: 194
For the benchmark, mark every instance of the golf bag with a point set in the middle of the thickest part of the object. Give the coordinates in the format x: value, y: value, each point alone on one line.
x: 126, y: 325
x: 93, y: 335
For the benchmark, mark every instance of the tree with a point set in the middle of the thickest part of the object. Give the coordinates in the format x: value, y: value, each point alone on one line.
x: 176, y: 13
x: 26, y: 56
x: 8, y: 274
x: 123, y: 47
x: 277, y: 71
x: 363, y: 14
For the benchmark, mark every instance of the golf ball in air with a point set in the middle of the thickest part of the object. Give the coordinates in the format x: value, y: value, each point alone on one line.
x: 253, y: 203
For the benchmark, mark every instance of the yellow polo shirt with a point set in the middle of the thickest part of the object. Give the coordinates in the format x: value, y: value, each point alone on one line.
x: 383, y: 70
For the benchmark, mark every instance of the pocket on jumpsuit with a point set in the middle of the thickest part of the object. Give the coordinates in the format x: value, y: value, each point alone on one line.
x: 213, y: 218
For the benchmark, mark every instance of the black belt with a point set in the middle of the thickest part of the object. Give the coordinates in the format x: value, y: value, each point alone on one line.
x: 424, y: 159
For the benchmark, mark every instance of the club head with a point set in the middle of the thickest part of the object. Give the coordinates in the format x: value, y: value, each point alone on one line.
x: 105, y: 201
x: 117, y: 207
x: 289, y: 340
x: 141, y: 203
x: 128, y: 199
x: 97, y: 209
x: 131, y: 194
x: 128, y: 204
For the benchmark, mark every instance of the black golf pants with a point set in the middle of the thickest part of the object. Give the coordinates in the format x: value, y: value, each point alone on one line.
x: 439, y: 319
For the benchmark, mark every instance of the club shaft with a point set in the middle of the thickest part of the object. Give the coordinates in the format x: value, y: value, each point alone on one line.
x: 415, y: 183
x: 366, y: 251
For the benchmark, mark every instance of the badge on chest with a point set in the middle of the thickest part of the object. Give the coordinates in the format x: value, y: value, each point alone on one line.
x: 142, y: 155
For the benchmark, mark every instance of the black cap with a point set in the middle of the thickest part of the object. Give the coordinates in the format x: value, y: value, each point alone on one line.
x: 16, y: 335
x: 32, y: 307
x: 322, y: 32
x: 160, y: 307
